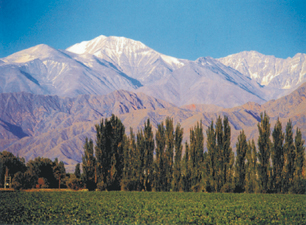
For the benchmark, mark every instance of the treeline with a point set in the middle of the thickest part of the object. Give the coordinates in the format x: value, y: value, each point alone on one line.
x: 37, y: 173
x: 143, y: 162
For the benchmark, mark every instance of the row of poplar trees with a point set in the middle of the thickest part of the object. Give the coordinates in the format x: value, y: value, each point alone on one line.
x: 142, y: 162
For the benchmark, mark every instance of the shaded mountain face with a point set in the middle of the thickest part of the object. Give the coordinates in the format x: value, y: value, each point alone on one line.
x: 105, y: 64
x: 56, y: 127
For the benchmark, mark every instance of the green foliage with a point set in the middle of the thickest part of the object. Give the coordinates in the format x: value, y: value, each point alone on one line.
x: 220, y: 155
x: 299, y: 181
x: 289, y: 158
x: 77, y: 171
x: 150, y: 208
x: 251, y: 184
x: 40, y: 168
x: 74, y: 183
x: 12, y: 163
x: 264, y: 147
x: 159, y: 165
x: 277, y: 156
x: 240, y: 166
x: 109, y: 152
x: 177, y: 182
x: 89, y: 165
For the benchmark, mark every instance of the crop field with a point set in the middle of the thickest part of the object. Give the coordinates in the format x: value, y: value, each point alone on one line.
x: 150, y: 208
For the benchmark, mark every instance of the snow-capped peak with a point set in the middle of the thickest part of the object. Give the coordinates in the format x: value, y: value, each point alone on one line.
x: 117, y: 44
x: 86, y: 46
x: 39, y: 51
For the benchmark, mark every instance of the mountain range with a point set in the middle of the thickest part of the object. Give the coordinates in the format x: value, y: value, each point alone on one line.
x: 51, y: 99
x: 105, y: 64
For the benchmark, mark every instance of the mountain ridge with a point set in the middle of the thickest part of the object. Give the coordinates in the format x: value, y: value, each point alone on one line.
x: 104, y: 64
x: 52, y: 126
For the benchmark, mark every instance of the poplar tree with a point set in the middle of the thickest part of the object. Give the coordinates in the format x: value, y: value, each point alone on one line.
x: 240, y: 166
x: 177, y: 184
x: 212, y: 157
x: 140, y: 149
x: 148, y: 158
x: 277, y: 156
x: 228, y: 155
x: 219, y: 154
x: 300, y: 154
x: 289, y: 157
x: 169, y: 134
x: 89, y: 164
x: 186, y: 169
x: 299, y: 163
x: 196, y: 154
x: 264, y: 146
x: 159, y: 175
x: 77, y: 171
x: 251, y: 167
x: 109, y: 152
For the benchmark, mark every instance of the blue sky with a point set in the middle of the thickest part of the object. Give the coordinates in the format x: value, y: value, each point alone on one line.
x: 183, y: 29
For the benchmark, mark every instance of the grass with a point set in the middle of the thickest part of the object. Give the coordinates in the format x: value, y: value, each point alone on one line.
x: 150, y: 208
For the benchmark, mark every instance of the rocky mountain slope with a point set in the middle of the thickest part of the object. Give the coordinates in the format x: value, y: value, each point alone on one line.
x: 52, y: 126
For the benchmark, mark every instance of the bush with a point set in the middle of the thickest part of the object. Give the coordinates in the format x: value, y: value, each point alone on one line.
x: 101, y: 186
x: 18, y: 181
x: 130, y: 185
x: 42, y: 183
x: 228, y: 188
x: 74, y: 183
x: 197, y: 188
x: 298, y: 187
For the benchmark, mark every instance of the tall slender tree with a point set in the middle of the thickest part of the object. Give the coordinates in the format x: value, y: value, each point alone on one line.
x: 299, y: 185
x: 89, y: 164
x: 109, y: 152
x: 77, y: 171
x: 212, y: 156
x: 187, y: 169
x: 177, y: 184
x: 228, y: 155
x: 159, y: 175
x: 264, y: 147
x: 289, y: 157
x: 169, y: 153
x: 240, y: 166
x: 251, y: 168
x: 277, y: 156
x: 196, y: 153
x: 148, y: 155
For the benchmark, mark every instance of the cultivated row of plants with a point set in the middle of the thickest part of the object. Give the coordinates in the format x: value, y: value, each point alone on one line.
x: 150, y: 208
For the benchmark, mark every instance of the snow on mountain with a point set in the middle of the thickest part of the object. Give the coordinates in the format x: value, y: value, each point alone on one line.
x: 44, y: 70
x: 133, y: 57
x: 105, y: 64
x: 269, y: 71
x: 206, y: 81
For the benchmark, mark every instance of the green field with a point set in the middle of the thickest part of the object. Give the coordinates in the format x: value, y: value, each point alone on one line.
x: 150, y: 208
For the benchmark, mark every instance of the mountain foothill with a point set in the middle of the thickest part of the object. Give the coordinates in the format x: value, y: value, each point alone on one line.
x: 50, y: 100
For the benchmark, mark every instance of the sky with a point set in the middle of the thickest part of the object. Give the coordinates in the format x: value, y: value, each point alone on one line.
x: 186, y: 29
